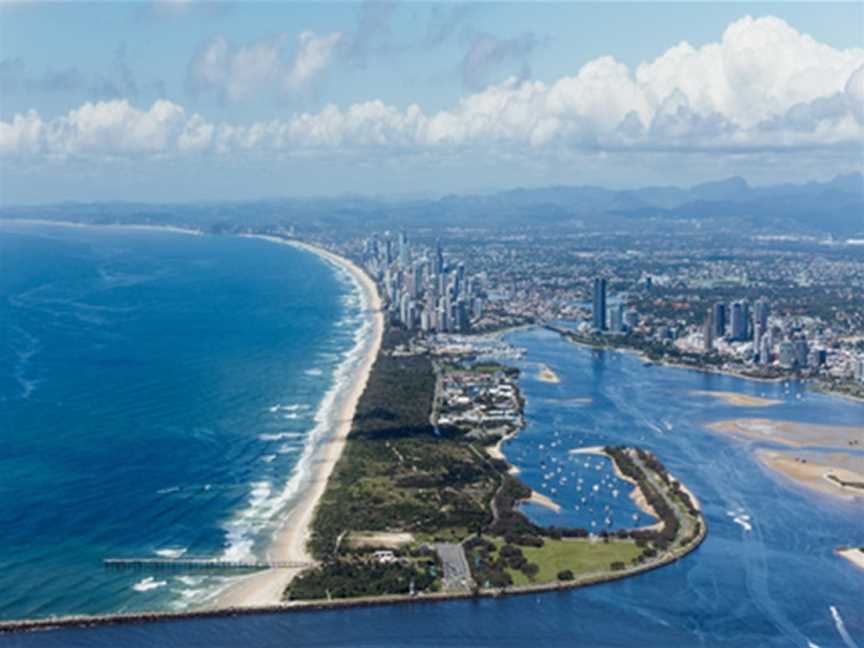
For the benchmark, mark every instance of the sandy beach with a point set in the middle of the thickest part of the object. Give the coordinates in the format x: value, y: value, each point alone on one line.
x: 289, y: 543
x: 792, y: 433
x: 495, y: 452
x: 542, y: 500
x: 738, y: 400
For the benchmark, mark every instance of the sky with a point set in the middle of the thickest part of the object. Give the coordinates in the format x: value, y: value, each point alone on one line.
x: 177, y: 100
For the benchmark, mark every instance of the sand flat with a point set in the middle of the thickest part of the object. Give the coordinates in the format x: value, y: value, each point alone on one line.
x: 793, y: 434
x: 815, y: 475
x: 736, y: 399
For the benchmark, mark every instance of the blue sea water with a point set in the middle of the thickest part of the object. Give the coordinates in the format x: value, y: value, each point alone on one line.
x: 158, y: 391
x: 765, y: 576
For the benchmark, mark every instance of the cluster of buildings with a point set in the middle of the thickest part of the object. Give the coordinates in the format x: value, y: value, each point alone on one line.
x: 738, y: 322
x: 740, y: 330
x: 481, y: 400
x: 660, y: 297
x: 422, y: 290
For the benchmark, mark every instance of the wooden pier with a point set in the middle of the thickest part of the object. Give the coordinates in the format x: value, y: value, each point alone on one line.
x: 200, y: 563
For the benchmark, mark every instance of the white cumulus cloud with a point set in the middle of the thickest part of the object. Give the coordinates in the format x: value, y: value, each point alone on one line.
x: 763, y: 86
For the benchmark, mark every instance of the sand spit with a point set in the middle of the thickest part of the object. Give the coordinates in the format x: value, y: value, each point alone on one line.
x: 738, y: 400
x: 542, y: 500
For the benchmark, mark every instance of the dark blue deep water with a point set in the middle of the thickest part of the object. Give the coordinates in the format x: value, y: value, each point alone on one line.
x: 157, y: 391
x: 765, y: 576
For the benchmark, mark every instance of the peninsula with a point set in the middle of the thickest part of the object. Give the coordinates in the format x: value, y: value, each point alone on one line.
x: 423, y: 504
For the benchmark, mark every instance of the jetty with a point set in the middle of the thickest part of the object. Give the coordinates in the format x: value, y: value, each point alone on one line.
x: 201, y: 562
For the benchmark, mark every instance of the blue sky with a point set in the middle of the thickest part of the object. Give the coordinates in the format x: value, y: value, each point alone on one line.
x: 167, y: 101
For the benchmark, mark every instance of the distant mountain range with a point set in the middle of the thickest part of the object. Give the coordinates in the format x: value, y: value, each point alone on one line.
x: 835, y: 207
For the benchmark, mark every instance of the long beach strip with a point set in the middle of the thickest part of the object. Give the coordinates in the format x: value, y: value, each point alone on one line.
x: 289, y: 543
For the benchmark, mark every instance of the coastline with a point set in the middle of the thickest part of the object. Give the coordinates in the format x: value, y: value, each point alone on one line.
x: 132, y: 226
x: 289, y: 541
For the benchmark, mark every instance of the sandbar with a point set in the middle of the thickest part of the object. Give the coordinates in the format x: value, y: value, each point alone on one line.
x: 739, y: 400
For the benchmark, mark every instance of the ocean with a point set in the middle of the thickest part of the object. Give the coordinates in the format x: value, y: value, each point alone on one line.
x: 766, y: 574
x: 159, y: 392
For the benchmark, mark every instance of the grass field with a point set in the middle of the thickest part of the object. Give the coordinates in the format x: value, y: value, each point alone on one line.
x: 578, y: 555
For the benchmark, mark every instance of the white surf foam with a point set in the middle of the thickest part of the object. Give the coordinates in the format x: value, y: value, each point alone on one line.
x: 171, y: 553
x: 265, y: 503
x: 147, y: 584
x: 313, y: 372
x: 294, y: 407
x: 280, y: 436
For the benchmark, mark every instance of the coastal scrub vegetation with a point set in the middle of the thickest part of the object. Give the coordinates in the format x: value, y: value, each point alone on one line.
x: 361, y: 578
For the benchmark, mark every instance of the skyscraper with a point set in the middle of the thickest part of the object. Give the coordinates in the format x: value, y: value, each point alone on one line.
x: 439, y: 257
x: 719, y: 319
x: 708, y: 332
x: 761, y: 310
x: 599, y: 304
x: 739, y: 319
x: 403, y: 249
x: 616, y: 318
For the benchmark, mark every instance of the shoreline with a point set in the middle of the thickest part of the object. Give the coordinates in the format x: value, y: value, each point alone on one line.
x: 289, y: 541
x: 666, y: 363
x: 131, y: 226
